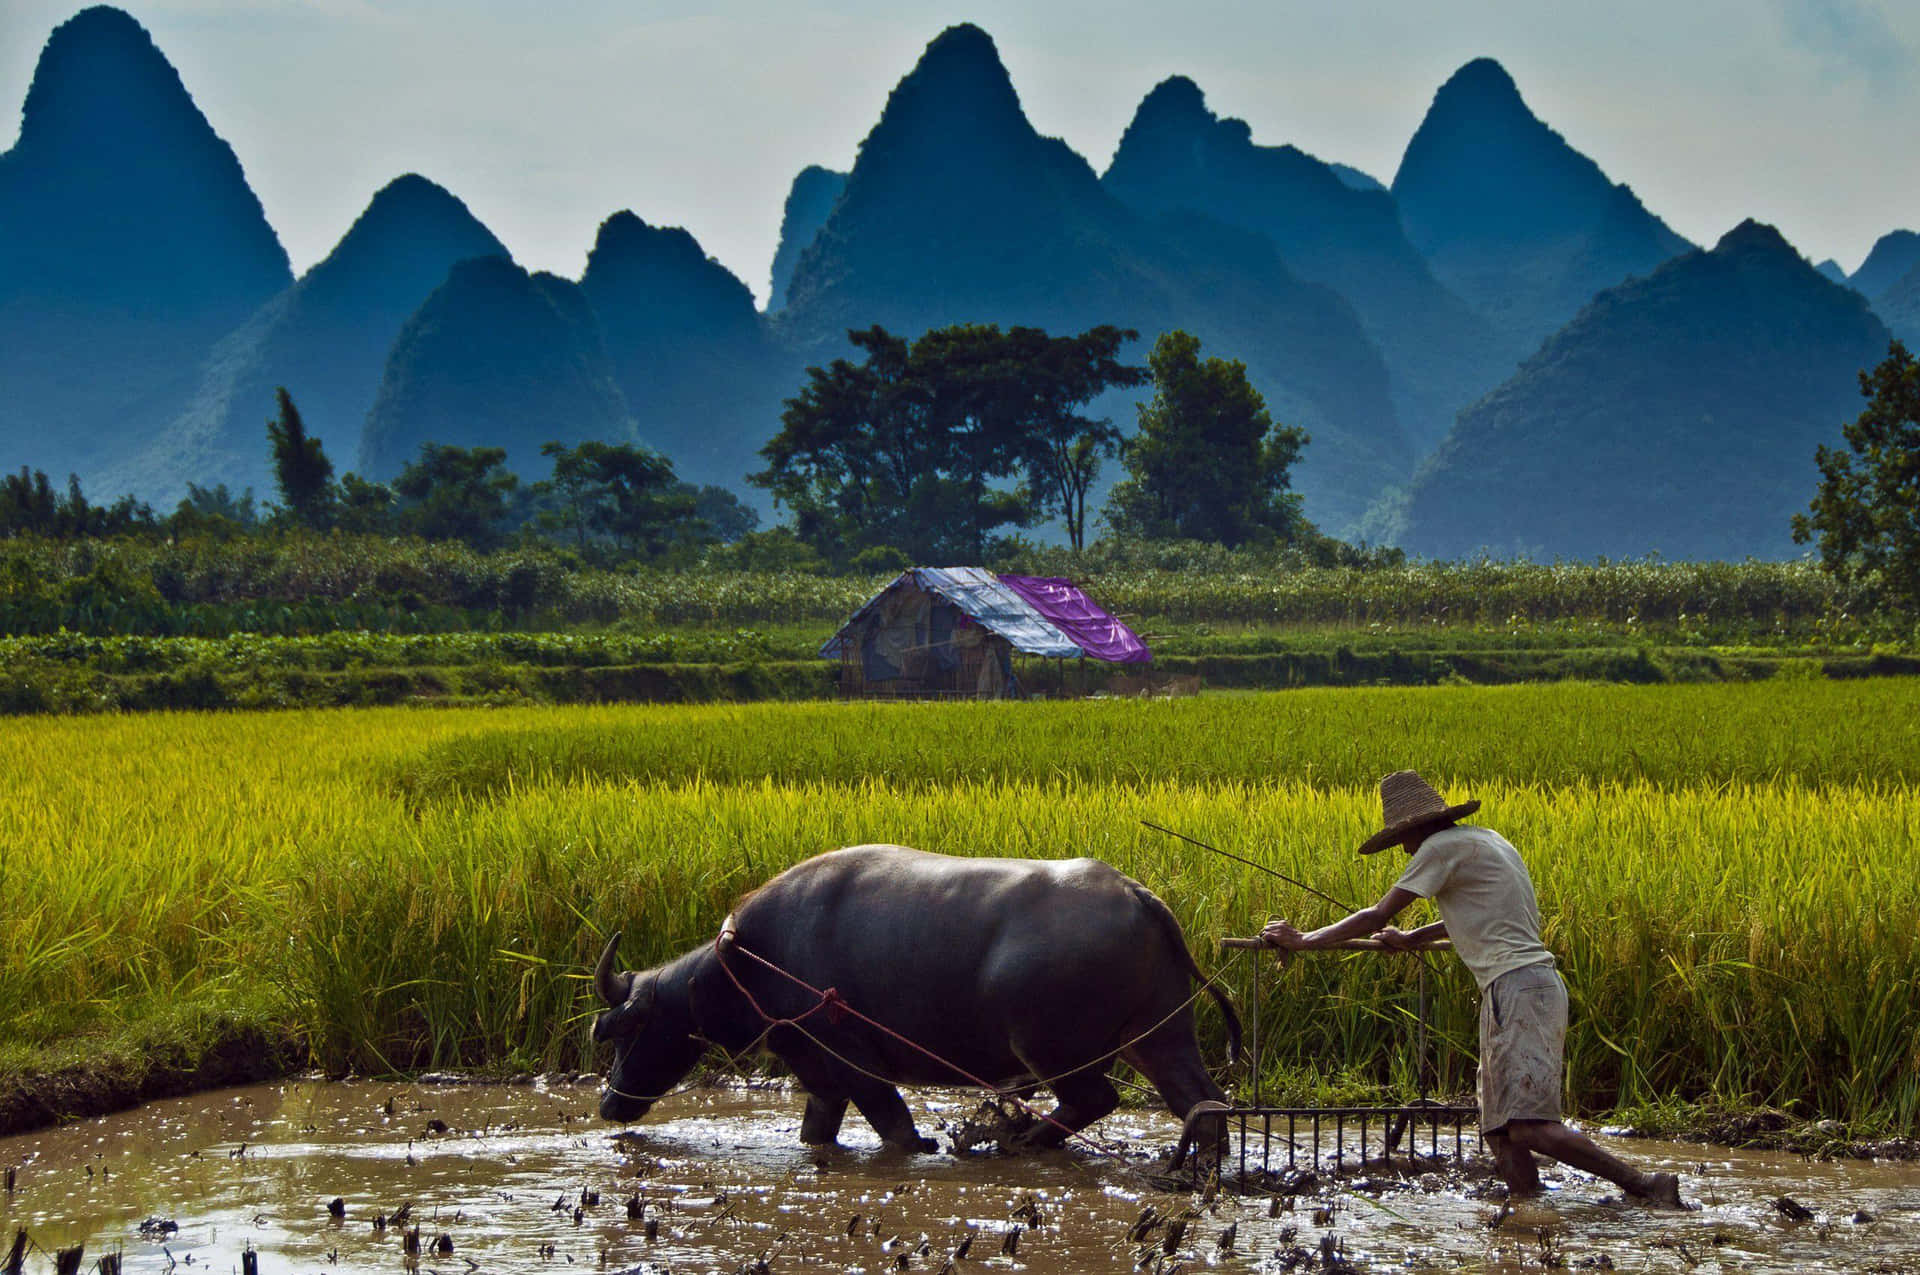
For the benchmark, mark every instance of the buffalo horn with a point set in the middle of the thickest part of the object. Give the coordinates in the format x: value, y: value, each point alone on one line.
x: 614, y: 987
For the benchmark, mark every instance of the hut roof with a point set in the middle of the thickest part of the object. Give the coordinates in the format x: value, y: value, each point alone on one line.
x: 1037, y: 615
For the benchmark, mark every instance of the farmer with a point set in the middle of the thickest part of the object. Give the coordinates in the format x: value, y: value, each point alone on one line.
x: 1487, y: 908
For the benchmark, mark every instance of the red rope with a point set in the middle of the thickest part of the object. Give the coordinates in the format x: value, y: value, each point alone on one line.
x: 836, y: 1007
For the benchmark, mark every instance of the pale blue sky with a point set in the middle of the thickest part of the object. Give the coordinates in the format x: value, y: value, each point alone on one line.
x: 548, y: 117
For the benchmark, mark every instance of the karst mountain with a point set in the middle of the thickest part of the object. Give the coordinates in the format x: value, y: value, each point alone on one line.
x: 129, y: 243
x: 1677, y: 415
x: 958, y: 211
x: 1512, y: 218
x: 1502, y: 349
x: 325, y: 339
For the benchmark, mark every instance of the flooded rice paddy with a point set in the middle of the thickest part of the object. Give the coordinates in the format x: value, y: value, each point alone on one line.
x: 526, y: 1178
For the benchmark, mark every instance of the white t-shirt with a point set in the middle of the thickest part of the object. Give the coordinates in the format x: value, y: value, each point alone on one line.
x: 1484, y: 895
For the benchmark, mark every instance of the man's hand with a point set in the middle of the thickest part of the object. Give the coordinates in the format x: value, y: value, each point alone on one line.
x: 1281, y: 934
x: 1399, y: 940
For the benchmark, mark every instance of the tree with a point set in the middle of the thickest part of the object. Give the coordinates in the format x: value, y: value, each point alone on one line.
x: 1866, y: 514
x: 621, y: 494
x: 214, y: 511
x: 1208, y: 463
x: 300, y: 468
x: 364, y: 506
x: 1064, y: 448
x: 912, y: 448
x: 727, y: 518
x: 455, y: 493
x: 29, y: 504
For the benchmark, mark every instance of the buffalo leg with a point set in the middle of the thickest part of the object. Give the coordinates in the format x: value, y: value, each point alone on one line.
x: 1172, y: 1063
x: 1084, y: 1097
x: 887, y: 1112
x: 820, y: 1126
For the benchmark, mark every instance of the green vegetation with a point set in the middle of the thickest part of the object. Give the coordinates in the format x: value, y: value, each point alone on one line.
x: 292, y: 618
x: 905, y: 455
x: 1867, y: 518
x: 1207, y: 463
x: 1725, y: 871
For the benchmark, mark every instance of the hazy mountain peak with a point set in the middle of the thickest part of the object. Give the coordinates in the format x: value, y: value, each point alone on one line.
x: 100, y: 71
x: 403, y: 242
x: 633, y: 258
x: 129, y: 243
x: 963, y: 58
x: 1513, y: 218
x: 1756, y: 238
x: 1178, y: 157
x: 1894, y: 254
x: 1679, y: 412
x: 955, y: 113
x: 1481, y: 87
x: 1174, y: 100
x: 810, y: 202
x: 496, y: 357
x: 107, y: 124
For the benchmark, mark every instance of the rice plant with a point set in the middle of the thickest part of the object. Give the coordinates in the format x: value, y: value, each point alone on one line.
x: 1725, y: 872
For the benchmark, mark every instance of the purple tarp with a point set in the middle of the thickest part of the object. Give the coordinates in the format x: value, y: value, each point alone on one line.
x: 1080, y: 618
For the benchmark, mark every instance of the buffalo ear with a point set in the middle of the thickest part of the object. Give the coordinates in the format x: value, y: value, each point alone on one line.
x: 628, y: 1016
x: 613, y: 986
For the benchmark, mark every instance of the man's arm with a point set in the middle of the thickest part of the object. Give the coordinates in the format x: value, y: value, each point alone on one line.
x: 1280, y: 934
x: 1410, y: 940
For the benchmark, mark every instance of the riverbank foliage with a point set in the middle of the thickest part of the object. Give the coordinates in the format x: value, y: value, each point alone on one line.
x: 1724, y: 871
x: 299, y: 583
x: 295, y: 619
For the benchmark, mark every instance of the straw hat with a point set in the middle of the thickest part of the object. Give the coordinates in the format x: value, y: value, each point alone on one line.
x: 1409, y: 803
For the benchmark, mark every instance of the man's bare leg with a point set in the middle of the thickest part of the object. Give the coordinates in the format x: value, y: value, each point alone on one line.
x: 1516, y: 1166
x: 1553, y: 1139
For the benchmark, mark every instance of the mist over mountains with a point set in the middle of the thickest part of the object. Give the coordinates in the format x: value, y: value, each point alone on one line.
x: 1501, y: 349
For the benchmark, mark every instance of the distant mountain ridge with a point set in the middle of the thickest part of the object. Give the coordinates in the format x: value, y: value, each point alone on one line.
x: 1176, y: 155
x: 495, y: 357
x: 1678, y: 414
x: 956, y: 210
x: 129, y: 243
x: 1524, y: 227
x: 325, y: 339
x: 810, y: 201
x: 701, y: 376
x: 1665, y: 398
x: 1899, y: 307
x: 1893, y: 257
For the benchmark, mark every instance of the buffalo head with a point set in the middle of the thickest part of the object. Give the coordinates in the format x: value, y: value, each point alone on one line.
x: 651, y: 1031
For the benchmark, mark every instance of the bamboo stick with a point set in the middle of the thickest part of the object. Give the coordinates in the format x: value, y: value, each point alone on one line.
x: 1345, y: 945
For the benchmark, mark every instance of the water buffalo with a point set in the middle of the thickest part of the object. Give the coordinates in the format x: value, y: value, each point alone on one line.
x: 1008, y: 970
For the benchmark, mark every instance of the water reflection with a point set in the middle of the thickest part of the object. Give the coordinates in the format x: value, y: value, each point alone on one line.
x: 520, y: 1178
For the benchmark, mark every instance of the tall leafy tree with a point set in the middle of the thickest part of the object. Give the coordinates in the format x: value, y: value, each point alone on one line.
x: 1207, y: 463
x: 859, y: 460
x: 918, y: 446
x: 626, y: 494
x: 1866, y: 514
x: 29, y: 504
x: 300, y: 467
x: 1064, y: 448
x: 365, y: 506
x: 456, y: 493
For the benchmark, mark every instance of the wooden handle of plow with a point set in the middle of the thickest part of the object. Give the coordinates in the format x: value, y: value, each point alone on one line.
x: 1349, y: 945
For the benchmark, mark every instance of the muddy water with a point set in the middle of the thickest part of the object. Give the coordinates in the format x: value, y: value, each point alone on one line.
x: 508, y: 1175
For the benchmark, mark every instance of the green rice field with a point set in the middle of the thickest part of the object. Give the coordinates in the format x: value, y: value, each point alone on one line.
x: 1727, y: 872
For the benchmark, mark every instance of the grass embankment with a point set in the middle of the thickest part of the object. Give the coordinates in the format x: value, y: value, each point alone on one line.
x: 299, y: 620
x: 1726, y: 872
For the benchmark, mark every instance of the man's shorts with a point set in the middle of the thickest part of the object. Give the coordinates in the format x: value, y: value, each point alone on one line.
x: 1523, y: 1023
